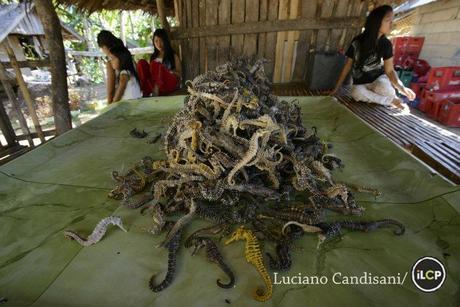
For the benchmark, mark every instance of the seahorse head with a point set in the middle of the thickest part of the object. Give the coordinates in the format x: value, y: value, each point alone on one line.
x: 238, y: 234
x: 116, y: 220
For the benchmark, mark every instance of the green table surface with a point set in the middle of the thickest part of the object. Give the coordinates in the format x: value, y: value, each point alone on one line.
x: 64, y: 183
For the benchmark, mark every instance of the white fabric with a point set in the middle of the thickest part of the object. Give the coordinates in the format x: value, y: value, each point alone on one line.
x: 132, y: 90
x: 380, y: 91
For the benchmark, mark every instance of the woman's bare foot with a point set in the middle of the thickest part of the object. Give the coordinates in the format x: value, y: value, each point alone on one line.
x: 397, y: 103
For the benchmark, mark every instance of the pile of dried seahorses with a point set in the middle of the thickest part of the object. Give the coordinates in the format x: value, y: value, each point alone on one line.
x: 236, y: 156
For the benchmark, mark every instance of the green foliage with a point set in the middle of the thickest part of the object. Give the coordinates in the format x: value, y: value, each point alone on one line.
x: 91, y: 69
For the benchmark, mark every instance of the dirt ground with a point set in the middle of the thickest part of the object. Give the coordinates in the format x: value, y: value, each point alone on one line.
x: 84, y: 104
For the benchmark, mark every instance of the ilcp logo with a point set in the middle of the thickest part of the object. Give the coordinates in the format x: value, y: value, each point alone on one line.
x: 428, y: 274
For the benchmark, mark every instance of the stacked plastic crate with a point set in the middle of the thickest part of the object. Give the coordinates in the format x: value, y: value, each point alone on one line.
x: 441, y: 96
x: 411, y: 70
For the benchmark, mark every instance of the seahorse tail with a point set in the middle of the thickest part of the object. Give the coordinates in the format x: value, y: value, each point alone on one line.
x: 262, y: 294
x: 75, y: 236
x: 230, y: 275
x: 167, y: 280
x: 382, y: 223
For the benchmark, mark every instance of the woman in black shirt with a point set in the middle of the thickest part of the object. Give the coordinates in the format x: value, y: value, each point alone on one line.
x: 370, y: 59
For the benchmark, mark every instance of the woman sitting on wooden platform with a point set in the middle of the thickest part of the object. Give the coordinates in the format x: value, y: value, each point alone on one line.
x: 370, y: 59
x: 162, y: 76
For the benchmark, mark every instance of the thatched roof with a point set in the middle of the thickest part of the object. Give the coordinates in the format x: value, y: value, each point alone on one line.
x: 91, y: 6
x: 21, y: 19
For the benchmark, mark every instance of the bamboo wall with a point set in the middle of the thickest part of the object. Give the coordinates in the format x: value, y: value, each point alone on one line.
x: 213, y: 31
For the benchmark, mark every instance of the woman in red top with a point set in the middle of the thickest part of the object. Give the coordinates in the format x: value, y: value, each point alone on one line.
x: 163, y: 75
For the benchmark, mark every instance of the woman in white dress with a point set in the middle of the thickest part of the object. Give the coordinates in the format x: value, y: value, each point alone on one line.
x: 128, y: 81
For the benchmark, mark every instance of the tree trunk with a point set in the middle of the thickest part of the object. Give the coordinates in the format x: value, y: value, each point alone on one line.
x: 59, y: 92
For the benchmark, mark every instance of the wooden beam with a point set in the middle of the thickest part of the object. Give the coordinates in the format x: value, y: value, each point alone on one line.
x: 95, y: 53
x: 59, y: 91
x: 15, y: 103
x: 268, y: 26
x: 5, y: 151
x: 13, y: 153
x: 162, y: 15
x: 50, y: 132
x: 29, y: 63
x: 25, y: 91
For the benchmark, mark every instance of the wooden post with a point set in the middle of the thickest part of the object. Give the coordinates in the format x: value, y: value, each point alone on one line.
x: 59, y: 91
x: 176, y: 12
x: 162, y: 14
x: 15, y: 103
x: 122, y: 27
x: 6, y: 128
x: 25, y: 91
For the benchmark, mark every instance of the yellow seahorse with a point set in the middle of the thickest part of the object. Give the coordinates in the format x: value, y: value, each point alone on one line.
x: 254, y: 257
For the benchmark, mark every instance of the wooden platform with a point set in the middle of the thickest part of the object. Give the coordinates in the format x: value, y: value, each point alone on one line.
x: 435, y: 146
x: 10, y: 153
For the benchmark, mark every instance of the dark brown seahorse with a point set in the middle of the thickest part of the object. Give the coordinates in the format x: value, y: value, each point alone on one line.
x: 138, y: 134
x: 284, y: 261
x: 333, y: 229
x: 213, y: 255
x: 173, y: 247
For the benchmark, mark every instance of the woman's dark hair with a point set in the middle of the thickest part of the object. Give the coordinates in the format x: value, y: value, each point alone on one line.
x: 369, y: 38
x: 126, y: 60
x: 107, y: 39
x: 168, y: 58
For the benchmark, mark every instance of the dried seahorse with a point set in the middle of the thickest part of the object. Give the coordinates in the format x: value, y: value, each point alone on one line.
x: 322, y: 171
x: 213, y: 255
x: 305, y: 227
x: 364, y: 189
x: 228, y: 110
x: 252, y: 151
x: 284, y: 261
x: 338, y: 190
x: 207, y: 96
x: 254, y: 257
x: 180, y: 223
x: 158, y: 219
x: 331, y: 162
x: 154, y: 139
x: 333, y: 229
x: 196, y: 126
x: 138, y: 134
x: 173, y: 248
x: 98, y: 232
x: 230, y: 123
x: 207, y: 231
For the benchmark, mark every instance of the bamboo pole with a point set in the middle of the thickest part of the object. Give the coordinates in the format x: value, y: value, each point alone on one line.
x: 24, y: 90
x: 15, y: 103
